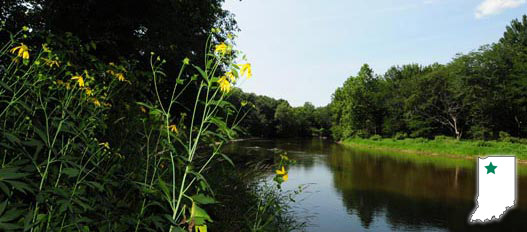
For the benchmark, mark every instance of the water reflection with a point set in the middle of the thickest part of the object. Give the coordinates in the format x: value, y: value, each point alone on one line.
x: 357, y: 190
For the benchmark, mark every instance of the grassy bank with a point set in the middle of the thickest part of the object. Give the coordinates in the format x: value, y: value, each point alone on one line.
x: 443, y: 146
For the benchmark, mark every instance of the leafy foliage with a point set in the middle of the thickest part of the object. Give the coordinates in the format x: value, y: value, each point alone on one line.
x: 477, y: 95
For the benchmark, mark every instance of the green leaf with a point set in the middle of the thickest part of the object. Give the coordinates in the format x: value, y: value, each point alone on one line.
x: 71, y: 172
x: 41, y: 134
x: 27, y: 220
x: 9, y: 226
x: 225, y: 157
x: 4, y: 188
x: 144, y: 104
x: 96, y: 185
x: 199, y: 215
x: 6, y: 86
x: 11, y: 215
x: 3, y: 206
x: 203, y: 74
x: 11, y: 137
x: 11, y: 173
x: 20, y: 186
x: 203, y: 199
x: 164, y: 188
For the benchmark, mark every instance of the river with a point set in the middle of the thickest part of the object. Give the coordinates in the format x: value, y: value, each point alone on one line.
x: 353, y: 190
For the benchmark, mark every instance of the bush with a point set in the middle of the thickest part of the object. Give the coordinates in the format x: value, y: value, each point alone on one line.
x: 361, y: 134
x: 442, y: 138
x: 506, y: 137
x: 376, y: 137
x: 479, y: 132
x: 400, y: 136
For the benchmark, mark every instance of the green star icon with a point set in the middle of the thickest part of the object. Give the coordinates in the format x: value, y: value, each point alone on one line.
x: 491, y: 168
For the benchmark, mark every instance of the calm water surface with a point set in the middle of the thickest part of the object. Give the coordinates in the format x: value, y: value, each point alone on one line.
x: 353, y: 190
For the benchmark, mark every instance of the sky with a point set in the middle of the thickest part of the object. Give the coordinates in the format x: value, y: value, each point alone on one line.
x: 302, y: 50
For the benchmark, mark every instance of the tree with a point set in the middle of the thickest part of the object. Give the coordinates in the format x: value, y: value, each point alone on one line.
x: 286, y: 122
x: 442, y: 99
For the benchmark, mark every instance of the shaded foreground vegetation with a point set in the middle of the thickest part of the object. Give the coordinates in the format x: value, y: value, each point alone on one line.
x: 119, y: 126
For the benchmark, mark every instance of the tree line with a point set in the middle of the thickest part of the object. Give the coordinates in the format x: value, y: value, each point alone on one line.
x: 268, y: 117
x: 479, y: 95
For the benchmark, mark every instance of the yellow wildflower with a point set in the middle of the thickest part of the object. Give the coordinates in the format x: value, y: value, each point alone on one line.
x: 51, y: 63
x: 22, y: 51
x: 225, y: 85
x: 173, y: 128
x: 105, y: 144
x: 96, y: 102
x: 231, y: 76
x: 120, y: 77
x: 88, y: 91
x: 246, y: 69
x: 79, y: 79
x: 281, y: 172
x: 221, y: 48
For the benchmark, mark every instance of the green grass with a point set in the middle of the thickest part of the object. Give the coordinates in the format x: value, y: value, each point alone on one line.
x: 446, y: 147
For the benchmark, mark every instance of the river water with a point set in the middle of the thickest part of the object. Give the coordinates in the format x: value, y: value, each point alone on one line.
x: 353, y: 190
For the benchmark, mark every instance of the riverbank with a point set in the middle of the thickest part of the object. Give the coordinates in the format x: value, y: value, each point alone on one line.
x: 443, y: 147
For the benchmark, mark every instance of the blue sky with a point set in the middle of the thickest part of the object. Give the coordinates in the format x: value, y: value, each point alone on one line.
x: 302, y: 50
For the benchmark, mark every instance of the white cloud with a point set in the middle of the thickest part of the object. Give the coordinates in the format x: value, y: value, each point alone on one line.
x: 490, y: 7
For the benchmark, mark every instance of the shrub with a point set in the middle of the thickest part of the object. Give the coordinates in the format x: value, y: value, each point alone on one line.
x: 400, y: 136
x: 479, y: 132
x: 442, y: 138
x: 376, y: 137
x: 506, y: 137
x: 361, y: 134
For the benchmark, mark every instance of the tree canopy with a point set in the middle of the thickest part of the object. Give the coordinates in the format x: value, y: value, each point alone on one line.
x: 477, y: 95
